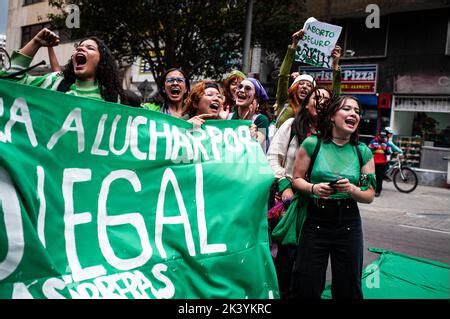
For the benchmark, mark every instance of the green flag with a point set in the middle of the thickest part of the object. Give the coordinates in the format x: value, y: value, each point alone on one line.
x: 101, y: 200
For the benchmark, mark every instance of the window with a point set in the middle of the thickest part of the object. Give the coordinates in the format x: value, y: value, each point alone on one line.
x: 28, y: 2
x: 362, y: 42
x: 29, y: 31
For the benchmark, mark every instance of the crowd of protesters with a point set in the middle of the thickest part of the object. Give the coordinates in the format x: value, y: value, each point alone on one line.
x: 321, y: 169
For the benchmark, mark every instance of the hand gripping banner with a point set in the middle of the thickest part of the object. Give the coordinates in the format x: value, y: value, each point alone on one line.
x: 101, y: 200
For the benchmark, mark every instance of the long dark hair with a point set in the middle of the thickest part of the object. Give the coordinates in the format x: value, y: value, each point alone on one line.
x: 107, y: 73
x: 301, y: 126
x: 162, y: 83
x: 325, y: 125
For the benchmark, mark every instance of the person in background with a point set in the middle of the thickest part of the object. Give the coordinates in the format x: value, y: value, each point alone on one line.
x: 281, y: 157
x: 91, y: 72
x: 230, y: 84
x: 390, y: 133
x: 380, y: 149
x: 250, y: 97
x: 174, y: 88
x: 289, y: 99
x: 341, y: 176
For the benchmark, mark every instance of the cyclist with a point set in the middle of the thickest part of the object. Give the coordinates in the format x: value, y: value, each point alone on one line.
x: 380, y: 149
x: 389, y: 133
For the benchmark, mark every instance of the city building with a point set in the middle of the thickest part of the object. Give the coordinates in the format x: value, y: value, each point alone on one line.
x: 399, y: 70
x: 25, y: 19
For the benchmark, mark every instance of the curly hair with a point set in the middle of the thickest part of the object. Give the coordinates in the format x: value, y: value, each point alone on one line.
x: 107, y: 73
x: 195, y: 95
x: 301, y: 126
x: 325, y: 126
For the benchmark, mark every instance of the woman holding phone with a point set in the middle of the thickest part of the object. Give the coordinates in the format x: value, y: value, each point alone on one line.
x: 342, y: 174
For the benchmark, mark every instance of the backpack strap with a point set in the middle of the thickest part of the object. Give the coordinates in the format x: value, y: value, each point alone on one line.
x: 358, y: 152
x: 313, y: 158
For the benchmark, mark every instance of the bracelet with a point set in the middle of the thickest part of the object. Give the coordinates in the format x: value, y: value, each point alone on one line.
x: 312, y: 188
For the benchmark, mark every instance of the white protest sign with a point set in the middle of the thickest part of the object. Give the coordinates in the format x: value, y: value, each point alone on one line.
x: 318, y: 41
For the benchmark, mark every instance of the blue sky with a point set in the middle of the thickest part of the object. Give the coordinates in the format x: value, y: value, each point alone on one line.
x: 3, y: 16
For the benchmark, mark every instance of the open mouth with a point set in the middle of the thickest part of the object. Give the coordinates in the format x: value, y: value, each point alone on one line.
x: 351, y: 122
x: 214, y: 106
x: 241, y: 95
x: 175, y: 91
x: 80, y: 59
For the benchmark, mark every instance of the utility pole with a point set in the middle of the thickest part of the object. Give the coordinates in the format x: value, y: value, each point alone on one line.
x: 248, y: 36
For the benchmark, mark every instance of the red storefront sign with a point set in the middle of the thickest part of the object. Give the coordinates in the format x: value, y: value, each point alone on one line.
x: 355, y: 79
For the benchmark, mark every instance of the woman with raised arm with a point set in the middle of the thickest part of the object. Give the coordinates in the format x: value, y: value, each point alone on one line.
x: 91, y: 72
x: 289, y: 99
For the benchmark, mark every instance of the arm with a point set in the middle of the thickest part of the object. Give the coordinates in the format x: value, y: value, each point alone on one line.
x: 395, y: 148
x: 276, y: 156
x: 301, y: 165
x: 354, y: 191
x: 336, y: 55
x: 53, y: 60
x: 285, y: 70
x: 21, y: 60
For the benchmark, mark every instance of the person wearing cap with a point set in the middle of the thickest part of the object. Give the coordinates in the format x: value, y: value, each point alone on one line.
x: 380, y: 149
x: 230, y: 85
x: 289, y: 99
x: 251, y: 97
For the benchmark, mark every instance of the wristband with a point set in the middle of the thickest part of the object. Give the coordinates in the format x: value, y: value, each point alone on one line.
x: 312, y: 189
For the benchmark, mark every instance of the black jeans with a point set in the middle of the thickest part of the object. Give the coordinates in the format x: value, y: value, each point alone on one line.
x: 380, y: 170
x: 284, y: 261
x: 332, y: 230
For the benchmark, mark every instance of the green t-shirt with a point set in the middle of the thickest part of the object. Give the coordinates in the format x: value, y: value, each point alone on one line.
x: 334, y: 161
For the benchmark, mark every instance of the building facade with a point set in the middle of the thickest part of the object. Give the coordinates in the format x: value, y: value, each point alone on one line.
x: 25, y: 19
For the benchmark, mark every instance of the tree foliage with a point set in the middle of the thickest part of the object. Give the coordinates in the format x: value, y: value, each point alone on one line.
x: 203, y: 37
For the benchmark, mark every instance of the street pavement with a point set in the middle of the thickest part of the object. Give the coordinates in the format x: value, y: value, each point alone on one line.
x: 415, y: 224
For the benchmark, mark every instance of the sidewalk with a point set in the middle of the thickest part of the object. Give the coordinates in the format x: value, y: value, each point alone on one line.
x: 426, y: 207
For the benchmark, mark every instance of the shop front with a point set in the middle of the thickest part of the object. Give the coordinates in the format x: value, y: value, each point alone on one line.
x: 420, y: 116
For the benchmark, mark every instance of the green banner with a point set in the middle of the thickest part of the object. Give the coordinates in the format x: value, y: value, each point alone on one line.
x: 101, y: 200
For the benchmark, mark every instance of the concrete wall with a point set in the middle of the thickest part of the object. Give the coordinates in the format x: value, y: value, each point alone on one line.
x: 19, y: 15
x: 432, y: 158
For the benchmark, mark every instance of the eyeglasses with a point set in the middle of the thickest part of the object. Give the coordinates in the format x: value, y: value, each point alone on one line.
x: 171, y: 80
x: 210, y: 94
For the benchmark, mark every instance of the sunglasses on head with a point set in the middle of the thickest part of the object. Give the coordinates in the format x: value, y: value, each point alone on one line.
x: 172, y: 80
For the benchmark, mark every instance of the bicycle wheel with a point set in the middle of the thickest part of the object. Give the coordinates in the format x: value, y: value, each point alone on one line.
x: 406, y: 181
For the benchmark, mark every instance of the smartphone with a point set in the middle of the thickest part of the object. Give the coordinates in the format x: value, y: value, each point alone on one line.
x: 334, y: 182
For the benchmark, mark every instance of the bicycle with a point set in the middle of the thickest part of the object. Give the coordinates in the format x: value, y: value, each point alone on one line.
x: 404, y: 178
